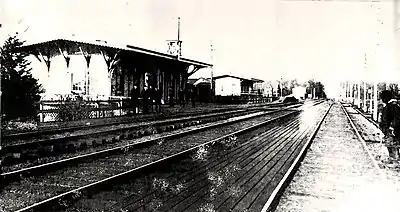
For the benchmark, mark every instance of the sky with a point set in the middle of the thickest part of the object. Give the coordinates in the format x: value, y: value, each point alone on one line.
x: 265, y: 39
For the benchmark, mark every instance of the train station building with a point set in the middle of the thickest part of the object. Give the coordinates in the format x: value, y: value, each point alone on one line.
x: 101, y: 70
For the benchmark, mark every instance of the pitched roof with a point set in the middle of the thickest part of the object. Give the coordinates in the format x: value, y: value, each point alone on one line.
x: 241, y: 78
x: 128, y: 48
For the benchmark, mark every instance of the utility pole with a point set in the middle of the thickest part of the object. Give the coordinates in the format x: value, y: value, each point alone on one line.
x: 376, y: 67
x: 212, y: 74
x: 359, y: 94
x: 175, y: 46
x: 365, y: 85
x: 1, y: 152
x: 179, y: 38
x: 351, y: 93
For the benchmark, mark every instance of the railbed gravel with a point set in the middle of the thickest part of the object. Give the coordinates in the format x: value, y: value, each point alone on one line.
x: 103, y: 146
x: 166, y: 182
x: 97, y: 129
x: 335, y: 165
x: 36, y: 188
x: 366, y: 128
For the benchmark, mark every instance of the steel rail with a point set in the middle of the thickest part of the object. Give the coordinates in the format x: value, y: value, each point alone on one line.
x: 51, y: 166
x: 364, y: 144
x: 13, y: 136
x: 53, y: 201
x: 137, y: 126
x: 272, y: 200
x: 371, y: 121
x: 248, y: 147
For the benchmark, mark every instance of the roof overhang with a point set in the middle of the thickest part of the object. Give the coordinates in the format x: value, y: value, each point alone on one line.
x: 241, y: 78
x: 123, y: 48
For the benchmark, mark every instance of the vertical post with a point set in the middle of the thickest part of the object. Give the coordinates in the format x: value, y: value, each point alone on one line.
x: 212, y: 77
x: 72, y: 80
x: 351, y: 93
x: 365, y: 97
x: 359, y: 94
x: 1, y: 152
x: 313, y: 93
x: 179, y: 37
x: 371, y: 102
x: 375, y: 101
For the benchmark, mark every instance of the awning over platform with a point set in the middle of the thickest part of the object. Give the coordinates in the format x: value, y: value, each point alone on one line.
x: 104, y: 45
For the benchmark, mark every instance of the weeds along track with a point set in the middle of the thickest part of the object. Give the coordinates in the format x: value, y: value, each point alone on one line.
x: 48, y: 151
x: 35, y: 140
x: 48, y: 133
x: 29, y: 152
x: 363, y: 122
x: 13, y: 175
x: 88, y: 173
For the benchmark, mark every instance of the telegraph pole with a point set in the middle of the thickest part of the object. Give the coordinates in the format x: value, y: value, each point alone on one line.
x: 375, y: 111
x: 179, y: 38
x: 1, y: 152
x: 175, y: 46
x: 359, y: 93
x: 212, y: 74
x: 365, y: 85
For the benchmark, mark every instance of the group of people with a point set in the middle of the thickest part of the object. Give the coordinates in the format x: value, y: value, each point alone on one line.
x: 152, y: 98
x: 390, y: 125
x: 190, y: 94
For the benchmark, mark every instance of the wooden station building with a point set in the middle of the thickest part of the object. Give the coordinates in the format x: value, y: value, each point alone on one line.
x: 108, y: 70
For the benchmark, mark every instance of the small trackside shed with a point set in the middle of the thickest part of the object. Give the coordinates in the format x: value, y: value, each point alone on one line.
x: 234, y: 89
x: 228, y: 85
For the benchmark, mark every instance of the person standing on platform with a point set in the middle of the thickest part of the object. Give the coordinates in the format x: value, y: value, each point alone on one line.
x: 151, y: 98
x: 390, y: 125
x: 171, y: 96
x: 134, y: 98
x: 181, y: 96
x: 157, y: 98
x: 187, y: 95
x: 193, y: 96
x: 146, y: 99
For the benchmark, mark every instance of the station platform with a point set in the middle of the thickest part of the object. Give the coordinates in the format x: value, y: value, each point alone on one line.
x: 339, y: 174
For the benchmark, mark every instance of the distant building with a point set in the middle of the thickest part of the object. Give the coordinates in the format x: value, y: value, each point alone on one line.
x: 229, y: 85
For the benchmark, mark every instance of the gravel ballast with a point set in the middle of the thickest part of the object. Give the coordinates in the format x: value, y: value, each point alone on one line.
x: 213, y: 177
x: 337, y: 173
x: 37, y: 188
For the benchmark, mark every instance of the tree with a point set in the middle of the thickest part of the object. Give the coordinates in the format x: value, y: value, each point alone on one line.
x: 293, y: 84
x: 279, y: 90
x: 319, y: 89
x: 20, y: 91
x: 394, y: 88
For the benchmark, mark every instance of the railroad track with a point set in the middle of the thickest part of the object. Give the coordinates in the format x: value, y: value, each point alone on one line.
x: 316, y: 166
x: 150, y: 160
x: 49, y: 150
x: 35, y: 139
x: 274, y: 199
x: 65, y: 142
x: 141, y: 143
x: 363, y: 123
x: 38, y: 134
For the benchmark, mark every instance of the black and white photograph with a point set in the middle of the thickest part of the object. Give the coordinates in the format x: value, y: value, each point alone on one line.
x: 200, y: 105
